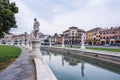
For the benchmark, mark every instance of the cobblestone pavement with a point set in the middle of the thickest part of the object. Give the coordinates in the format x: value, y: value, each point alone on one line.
x: 21, y: 69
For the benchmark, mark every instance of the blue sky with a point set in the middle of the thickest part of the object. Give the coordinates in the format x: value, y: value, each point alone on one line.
x: 58, y: 15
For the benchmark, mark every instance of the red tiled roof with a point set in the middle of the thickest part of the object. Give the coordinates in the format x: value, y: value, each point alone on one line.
x: 73, y: 27
x: 94, y: 29
x: 111, y: 29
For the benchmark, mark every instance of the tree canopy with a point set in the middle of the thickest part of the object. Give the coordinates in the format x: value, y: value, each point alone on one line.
x: 7, y: 16
x: 56, y: 34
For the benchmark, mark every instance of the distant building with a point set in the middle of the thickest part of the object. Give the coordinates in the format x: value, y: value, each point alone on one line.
x: 72, y: 36
x: 93, y: 36
x: 59, y: 40
x: 7, y: 38
x: 53, y: 39
x: 20, y: 37
x: 110, y: 36
x: 44, y: 39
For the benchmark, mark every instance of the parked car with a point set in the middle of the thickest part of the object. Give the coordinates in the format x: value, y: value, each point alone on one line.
x: 3, y: 42
x: 15, y: 42
x: 107, y: 45
x: 118, y: 44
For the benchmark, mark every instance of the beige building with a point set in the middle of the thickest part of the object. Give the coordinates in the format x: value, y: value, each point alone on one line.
x: 93, y: 36
x: 72, y: 36
x: 20, y: 37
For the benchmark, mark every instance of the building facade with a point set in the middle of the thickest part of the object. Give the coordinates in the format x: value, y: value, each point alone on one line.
x: 110, y: 36
x: 44, y: 39
x: 72, y: 36
x: 59, y: 40
x: 20, y: 37
x: 7, y: 38
x: 93, y: 36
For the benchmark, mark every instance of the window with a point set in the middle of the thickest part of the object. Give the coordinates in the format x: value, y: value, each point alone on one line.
x: 72, y: 33
x: 110, y: 37
x: 113, y: 32
x: 113, y: 37
x: 106, y: 37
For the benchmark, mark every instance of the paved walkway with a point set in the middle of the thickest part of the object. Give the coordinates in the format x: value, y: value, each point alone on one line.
x: 21, y: 69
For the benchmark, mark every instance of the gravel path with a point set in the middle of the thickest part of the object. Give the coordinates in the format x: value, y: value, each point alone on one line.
x: 21, y: 69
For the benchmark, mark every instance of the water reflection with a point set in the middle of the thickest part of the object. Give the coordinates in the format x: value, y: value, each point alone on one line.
x: 70, y: 68
x: 74, y: 62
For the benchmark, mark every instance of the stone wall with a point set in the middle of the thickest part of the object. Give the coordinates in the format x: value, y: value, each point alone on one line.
x: 96, y: 55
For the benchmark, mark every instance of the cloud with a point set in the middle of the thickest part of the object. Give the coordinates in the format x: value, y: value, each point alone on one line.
x: 57, y: 16
x: 93, y: 14
x: 97, y: 2
x: 25, y: 19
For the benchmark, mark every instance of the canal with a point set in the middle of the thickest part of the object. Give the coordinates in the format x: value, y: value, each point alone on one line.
x: 67, y: 67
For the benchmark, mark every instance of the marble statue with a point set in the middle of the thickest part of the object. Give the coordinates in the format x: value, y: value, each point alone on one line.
x: 35, y: 42
x: 36, y: 28
x: 82, y: 41
x: 63, y: 42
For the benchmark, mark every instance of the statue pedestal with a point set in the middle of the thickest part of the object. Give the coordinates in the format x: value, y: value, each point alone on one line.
x: 63, y: 45
x: 82, y: 47
x: 35, y: 50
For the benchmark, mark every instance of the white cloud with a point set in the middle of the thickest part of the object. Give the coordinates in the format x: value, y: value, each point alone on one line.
x: 88, y: 17
x: 93, y: 14
x: 97, y: 2
x: 25, y: 20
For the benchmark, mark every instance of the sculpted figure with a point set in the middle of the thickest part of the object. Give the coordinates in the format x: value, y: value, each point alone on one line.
x: 36, y: 28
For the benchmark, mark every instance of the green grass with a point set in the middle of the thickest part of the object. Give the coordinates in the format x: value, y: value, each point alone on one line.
x: 103, y: 49
x: 106, y: 49
x: 8, y: 54
x: 73, y: 46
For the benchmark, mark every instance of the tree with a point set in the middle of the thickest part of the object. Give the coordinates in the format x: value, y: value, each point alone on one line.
x: 7, y: 18
x: 46, y: 40
x: 56, y: 34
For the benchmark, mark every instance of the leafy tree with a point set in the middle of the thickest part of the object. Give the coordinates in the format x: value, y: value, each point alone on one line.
x: 46, y: 40
x: 56, y: 34
x: 7, y: 18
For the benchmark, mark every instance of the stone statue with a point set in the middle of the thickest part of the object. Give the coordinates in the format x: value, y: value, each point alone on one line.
x: 82, y: 41
x: 36, y: 28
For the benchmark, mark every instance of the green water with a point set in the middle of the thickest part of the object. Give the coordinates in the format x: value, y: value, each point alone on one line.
x: 69, y: 68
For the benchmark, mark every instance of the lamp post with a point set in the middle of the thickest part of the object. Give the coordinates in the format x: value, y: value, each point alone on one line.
x: 25, y: 38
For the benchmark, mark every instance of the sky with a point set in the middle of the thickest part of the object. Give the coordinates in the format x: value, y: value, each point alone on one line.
x: 56, y: 16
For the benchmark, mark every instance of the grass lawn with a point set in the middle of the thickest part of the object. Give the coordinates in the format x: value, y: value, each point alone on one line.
x: 103, y: 49
x: 106, y: 49
x: 73, y: 46
x: 7, y: 55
